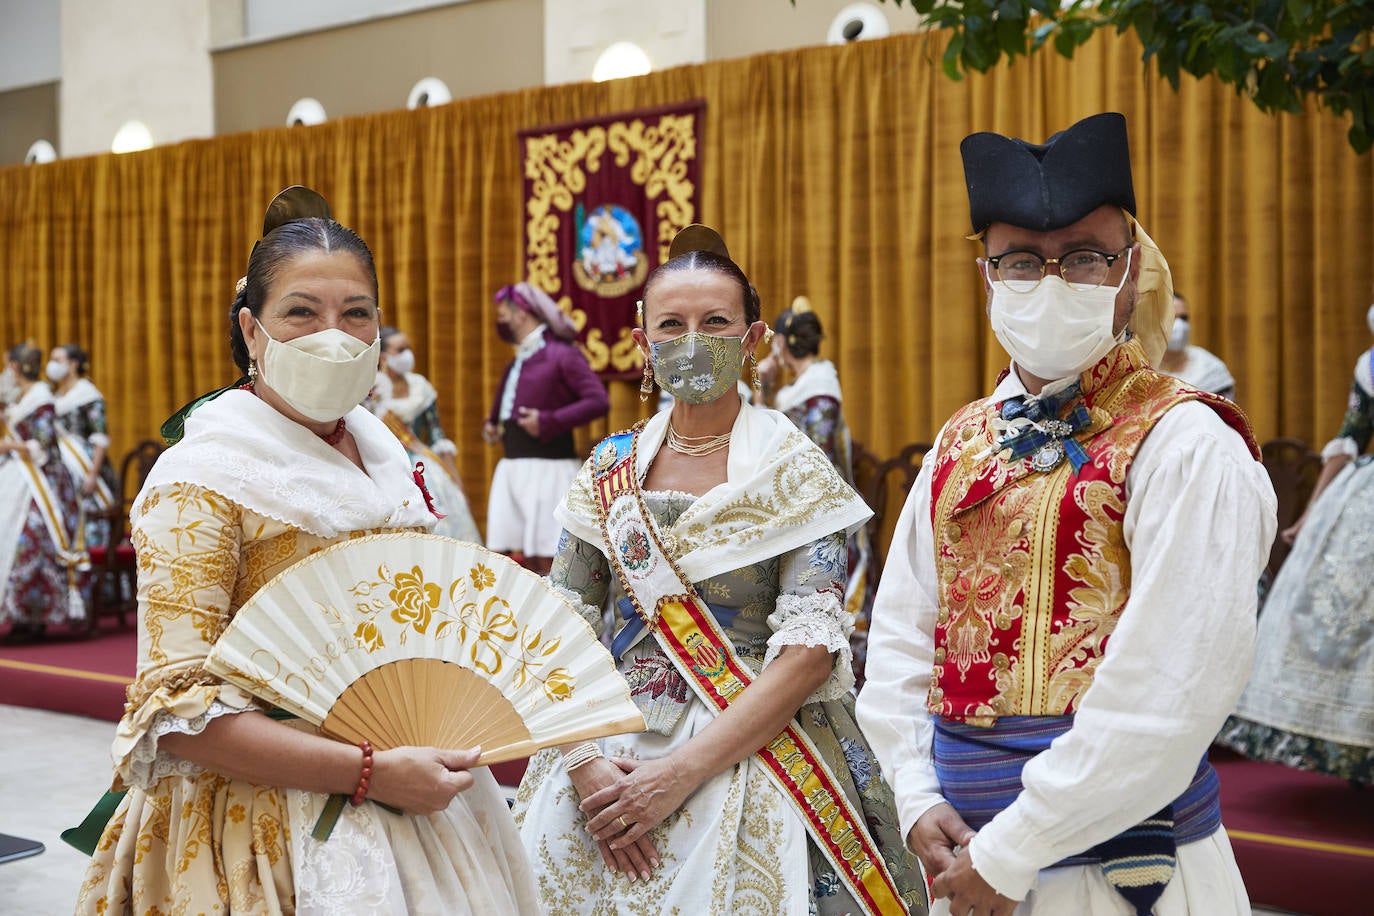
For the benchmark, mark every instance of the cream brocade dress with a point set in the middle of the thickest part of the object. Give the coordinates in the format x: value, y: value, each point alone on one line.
x: 187, y: 840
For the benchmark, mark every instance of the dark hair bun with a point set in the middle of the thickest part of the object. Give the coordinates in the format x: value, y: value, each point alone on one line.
x: 801, y: 333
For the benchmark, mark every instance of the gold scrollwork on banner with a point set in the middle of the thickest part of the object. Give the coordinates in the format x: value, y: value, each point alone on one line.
x: 557, y: 171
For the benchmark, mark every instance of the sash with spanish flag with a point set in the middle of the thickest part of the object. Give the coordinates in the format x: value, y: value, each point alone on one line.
x: 684, y: 626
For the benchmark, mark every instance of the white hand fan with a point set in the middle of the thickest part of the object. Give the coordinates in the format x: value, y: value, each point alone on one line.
x: 416, y: 639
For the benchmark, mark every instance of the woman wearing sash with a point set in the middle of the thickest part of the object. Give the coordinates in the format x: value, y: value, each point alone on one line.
x: 39, y: 578
x: 84, y: 440
x: 229, y: 809
x: 753, y: 790
x: 408, y: 404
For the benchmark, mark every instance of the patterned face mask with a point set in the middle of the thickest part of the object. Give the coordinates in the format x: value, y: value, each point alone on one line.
x: 697, y: 368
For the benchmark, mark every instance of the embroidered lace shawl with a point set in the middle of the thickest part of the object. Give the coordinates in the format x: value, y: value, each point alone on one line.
x: 244, y: 450
x: 421, y: 394
x: 818, y: 380
x: 780, y: 493
x: 83, y: 392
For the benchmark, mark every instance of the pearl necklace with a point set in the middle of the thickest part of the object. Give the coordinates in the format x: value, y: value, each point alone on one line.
x: 696, y: 445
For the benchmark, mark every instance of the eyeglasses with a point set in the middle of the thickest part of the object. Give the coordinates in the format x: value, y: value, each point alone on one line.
x: 1082, y: 268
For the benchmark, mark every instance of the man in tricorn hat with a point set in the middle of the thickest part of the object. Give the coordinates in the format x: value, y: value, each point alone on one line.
x: 1058, y: 634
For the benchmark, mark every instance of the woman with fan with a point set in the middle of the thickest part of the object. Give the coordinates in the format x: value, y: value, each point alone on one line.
x: 228, y: 808
x: 719, y: 529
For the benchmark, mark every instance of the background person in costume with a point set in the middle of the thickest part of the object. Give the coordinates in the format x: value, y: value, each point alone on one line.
x: 1198, y: 367
x: 39, y: 559
x: 408, y: 404
x: 81, y: 419
x: 814, y: 402
x: 1056, y: 638
x: 685, y: 817
x: 222, y: 797
x: 1311, y: 702
x: 546, y: 392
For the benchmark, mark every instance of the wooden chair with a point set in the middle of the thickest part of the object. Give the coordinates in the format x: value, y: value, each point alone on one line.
x: 114, y: 568
x: 873, y: 478
x: 1293, y: 470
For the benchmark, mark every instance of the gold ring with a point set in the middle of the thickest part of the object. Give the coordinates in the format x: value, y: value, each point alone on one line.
x: 622, y: 822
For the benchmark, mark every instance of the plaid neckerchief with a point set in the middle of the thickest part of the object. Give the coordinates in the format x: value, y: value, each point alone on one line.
x: 1033, y: 426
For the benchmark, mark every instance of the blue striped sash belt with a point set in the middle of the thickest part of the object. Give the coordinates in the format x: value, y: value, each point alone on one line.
x: 980, y: 774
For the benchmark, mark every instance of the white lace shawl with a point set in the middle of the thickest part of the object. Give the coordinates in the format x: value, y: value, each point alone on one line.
x: 818, y: 380
x: 81, y: 393
x: 244, y: 450
x: 780, y: 492
x: 420, y: 395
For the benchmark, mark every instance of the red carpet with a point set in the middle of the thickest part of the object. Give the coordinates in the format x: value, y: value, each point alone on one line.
x: 71, y: 673
x: 1304, y: 842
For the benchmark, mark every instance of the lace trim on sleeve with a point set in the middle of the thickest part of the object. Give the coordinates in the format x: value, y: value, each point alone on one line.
x: 100, y: 440
x: 444, y: 447
x: 590, y: 613
x: 815, y: 620
x: 148, y: 764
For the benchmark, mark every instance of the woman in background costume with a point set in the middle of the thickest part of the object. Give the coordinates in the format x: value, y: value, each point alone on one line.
x: 1310, y: 704
x: 84, y: 439
x: 40, y: 558
x: 408, y: 404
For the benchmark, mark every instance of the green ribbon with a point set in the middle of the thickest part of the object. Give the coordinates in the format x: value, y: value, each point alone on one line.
x: 174, y: 427
x: 86, y: 835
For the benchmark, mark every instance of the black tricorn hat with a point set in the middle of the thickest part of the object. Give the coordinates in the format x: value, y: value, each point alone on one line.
x: 1047, y: 186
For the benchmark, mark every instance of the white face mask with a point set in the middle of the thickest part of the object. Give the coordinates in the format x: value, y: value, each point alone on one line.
x: 1178, y: 337
x: 322, y: 375
x: 402, y: 362
x: 57, y: 371
x: 1055, y: 331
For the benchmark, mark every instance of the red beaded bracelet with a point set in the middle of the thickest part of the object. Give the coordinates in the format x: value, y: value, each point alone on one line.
x: 365, y: 777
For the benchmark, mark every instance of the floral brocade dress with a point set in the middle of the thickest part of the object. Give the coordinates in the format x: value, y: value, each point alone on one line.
x: 821, y: 419
x: 736, y: 846
x: 1310, y: 701
x: 36, y: 590
x: 86, y: 423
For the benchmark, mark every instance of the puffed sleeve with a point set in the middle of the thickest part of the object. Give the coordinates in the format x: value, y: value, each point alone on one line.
x: 187, y: 540
x: 581, y: 574
x: 810, y: 610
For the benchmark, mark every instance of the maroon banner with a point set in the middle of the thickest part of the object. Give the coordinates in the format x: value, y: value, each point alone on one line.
x: 603, y: 200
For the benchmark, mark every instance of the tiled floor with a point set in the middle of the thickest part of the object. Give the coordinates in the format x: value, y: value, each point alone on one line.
x: 55, y: 768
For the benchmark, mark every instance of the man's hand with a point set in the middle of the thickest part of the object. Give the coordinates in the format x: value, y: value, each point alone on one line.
x: 528, y: 420
x: 491, y: 434
x: 968, y: 892
x: 936, y: 835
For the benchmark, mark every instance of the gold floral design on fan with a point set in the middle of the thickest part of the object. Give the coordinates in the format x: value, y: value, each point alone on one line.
x: 487, y: 627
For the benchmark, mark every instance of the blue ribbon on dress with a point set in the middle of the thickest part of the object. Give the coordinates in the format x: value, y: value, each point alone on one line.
x: 980, y: 774
x: 634, y: 624
x: 1034, y: 423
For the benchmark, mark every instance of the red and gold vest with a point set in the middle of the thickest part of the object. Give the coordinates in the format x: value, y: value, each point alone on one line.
x: 1033, y: 567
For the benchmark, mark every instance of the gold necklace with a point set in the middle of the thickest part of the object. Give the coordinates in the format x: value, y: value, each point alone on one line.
x: 696, y: 445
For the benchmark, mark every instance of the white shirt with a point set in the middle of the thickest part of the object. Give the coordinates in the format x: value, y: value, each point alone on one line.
x: 1199, y: 522
x: 532, y: 344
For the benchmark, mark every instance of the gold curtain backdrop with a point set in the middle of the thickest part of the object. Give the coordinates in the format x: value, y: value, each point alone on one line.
x: 831, y: 171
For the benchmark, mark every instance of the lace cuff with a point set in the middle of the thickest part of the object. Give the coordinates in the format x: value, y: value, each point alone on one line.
x: 1340, y: 446
x: 37, y: 454
x: 444, y: 447
x: 147, y: 764
x: 589, y: 613
x: 100, y: 440
x: 815, y: 620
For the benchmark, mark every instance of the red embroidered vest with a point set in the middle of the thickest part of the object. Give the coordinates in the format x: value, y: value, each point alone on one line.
x: 1033, y: 567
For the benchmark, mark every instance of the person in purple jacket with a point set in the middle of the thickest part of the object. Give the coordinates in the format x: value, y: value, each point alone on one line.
x: 547, y: 391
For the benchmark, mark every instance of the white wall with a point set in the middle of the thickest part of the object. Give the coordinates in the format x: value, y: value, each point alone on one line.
x: 30, y: 43
x: 671, y: 32
x: 145, y: 60
x: 265, y: 19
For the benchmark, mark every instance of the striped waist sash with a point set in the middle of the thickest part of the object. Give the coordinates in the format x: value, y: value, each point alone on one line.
x: 980, y: 774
